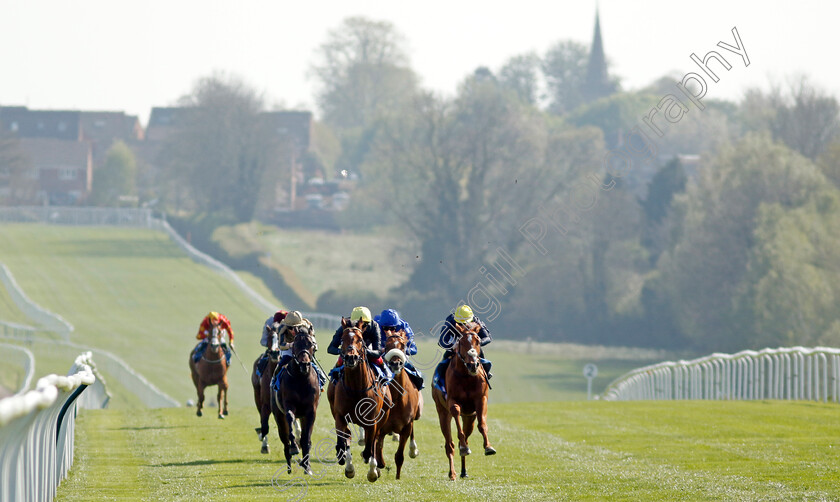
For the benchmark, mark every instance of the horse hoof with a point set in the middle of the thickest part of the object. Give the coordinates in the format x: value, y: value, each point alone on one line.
x: 198, y: 413
x: 413, y: 452
x: 452, y: 476
x: 293, y: 449
x: 226, y: 412
x: 464, y: 475
x: 372, y: 477
x: 288, y: 469
x: 308, y: 472
x: 489, y: 451
x: 395, y: 437
x: 340, y: 459
x: 362, y: 442
x: 264, y: 449
x: 221, y: 417
x: 350, y: 474
x: 465, y: 450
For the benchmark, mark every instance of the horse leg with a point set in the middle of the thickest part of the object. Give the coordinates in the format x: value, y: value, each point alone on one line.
x: 413, y: 451
x: 225, y: 382
x: 306, y: 441
x: 199, y: 387
x: 342, y: 447
x: 481, y: 414
x: 445, y: 428
x: 469, y: 422
x: 463, y: 448
x: 219, y: 399
x: 406, y: 431
x: 290, y: 419
x: 282, y: 432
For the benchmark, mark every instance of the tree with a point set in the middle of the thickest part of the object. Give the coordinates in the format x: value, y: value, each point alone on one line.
x: 464, y: 175
x: 520, y: 74
x: 222, y: 150
x: 363, y: 72
x: 116, y: 177
x: 564, y: 66
x: 704, y: 267
x: 805, y: 118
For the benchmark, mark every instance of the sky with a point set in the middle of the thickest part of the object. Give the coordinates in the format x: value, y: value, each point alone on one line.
x: 131, y: 56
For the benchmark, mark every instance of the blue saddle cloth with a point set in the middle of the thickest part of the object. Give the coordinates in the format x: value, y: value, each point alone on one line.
x: 383, y: 374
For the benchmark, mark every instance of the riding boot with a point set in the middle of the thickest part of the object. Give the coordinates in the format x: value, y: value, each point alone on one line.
x: 487, y: 365
x: 322, y: 378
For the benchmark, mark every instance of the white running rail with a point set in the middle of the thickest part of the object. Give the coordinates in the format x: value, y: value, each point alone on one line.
x: 50, y: 321
x: 37, y: 431
x: 24, y: 358
x: 796, y: 373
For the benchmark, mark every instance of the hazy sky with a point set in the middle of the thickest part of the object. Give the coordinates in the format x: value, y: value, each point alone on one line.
x: 131, y: 56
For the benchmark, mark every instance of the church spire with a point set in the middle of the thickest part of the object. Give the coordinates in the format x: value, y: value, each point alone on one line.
x: 597, y: 84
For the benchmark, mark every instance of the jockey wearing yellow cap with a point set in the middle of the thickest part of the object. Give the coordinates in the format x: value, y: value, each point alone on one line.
x: 372, y: 337
x: 448, y: 335
x: 210, y: 321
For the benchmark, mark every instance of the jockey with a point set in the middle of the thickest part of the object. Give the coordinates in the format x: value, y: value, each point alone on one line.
x: 390, y: 319
x: 211, y: 320
x: 448, y: 335
x: 266, y: 336
x: 372, y: 337
x: 292, y: 320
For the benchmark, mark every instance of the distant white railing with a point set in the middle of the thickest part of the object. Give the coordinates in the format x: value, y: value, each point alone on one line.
x: 796, y: 373
x: 37, y: 431
x: 25, y: 359
x: 50, y: 321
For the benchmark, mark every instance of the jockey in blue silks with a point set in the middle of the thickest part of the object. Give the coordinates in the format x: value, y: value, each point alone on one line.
x: 448, y: 335
x: 390, y: 319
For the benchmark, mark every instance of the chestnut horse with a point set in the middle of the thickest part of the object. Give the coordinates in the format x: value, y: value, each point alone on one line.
x: 407, y: 400
x: 466, y: 396
x: 262, y: 384
x: 211, y: 369
x: 297, y: 399
x: 357, y: 398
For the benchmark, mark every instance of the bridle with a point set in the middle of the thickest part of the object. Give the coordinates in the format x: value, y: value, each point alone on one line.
x: 357, y: 359
x: 472, y: 367
x: 302, y: 345
x: 215, y: 341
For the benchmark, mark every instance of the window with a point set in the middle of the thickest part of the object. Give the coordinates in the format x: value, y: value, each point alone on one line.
x: 68, y: 173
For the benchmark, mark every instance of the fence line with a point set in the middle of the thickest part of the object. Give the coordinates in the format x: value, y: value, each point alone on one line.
x: 795, y: 373
x: 52, y: 322
x: 25, y: 359
x: 37, y: 431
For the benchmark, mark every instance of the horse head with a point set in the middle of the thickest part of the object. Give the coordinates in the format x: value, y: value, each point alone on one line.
x: 216, y: 337
x: 274, y: 342
x: 352, y: 344
x: 468, y: 347
x: 303, y: 348
x: 396, y: 342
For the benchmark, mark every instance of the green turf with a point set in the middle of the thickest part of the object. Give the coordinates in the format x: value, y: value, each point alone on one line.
x: 546, y: 451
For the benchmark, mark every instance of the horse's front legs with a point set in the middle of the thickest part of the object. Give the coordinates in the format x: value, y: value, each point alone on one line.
x: 199, y: 387
x: 481, y: 415
x: 342, y: 446
x: 306, y: 441
x: 372, y: 447
x: 290, y: 419
x: 455, y: 411
x: 225, y: 409
x: 445, y: 429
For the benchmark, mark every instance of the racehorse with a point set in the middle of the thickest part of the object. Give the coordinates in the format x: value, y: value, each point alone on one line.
x: 407, y: 400
x: 357, y: 398
x: 211, y: 369
x: 297, y: 398
x: 466, y: 396
x: 262, y: 384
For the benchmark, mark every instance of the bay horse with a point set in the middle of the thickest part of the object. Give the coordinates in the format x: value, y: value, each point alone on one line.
x: 358, y: 398
x: 466, y: 396
x: 211, y: 369
x: 406, y: 399
x: 297, y: 399
x: 262, y: 384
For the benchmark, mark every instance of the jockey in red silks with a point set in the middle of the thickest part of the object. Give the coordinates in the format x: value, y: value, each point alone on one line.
x: 211, y: 320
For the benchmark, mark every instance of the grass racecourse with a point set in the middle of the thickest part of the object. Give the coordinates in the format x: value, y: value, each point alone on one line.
x: 136, y: 294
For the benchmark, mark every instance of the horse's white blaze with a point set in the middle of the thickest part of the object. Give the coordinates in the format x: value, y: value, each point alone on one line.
x: 472, y: 353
